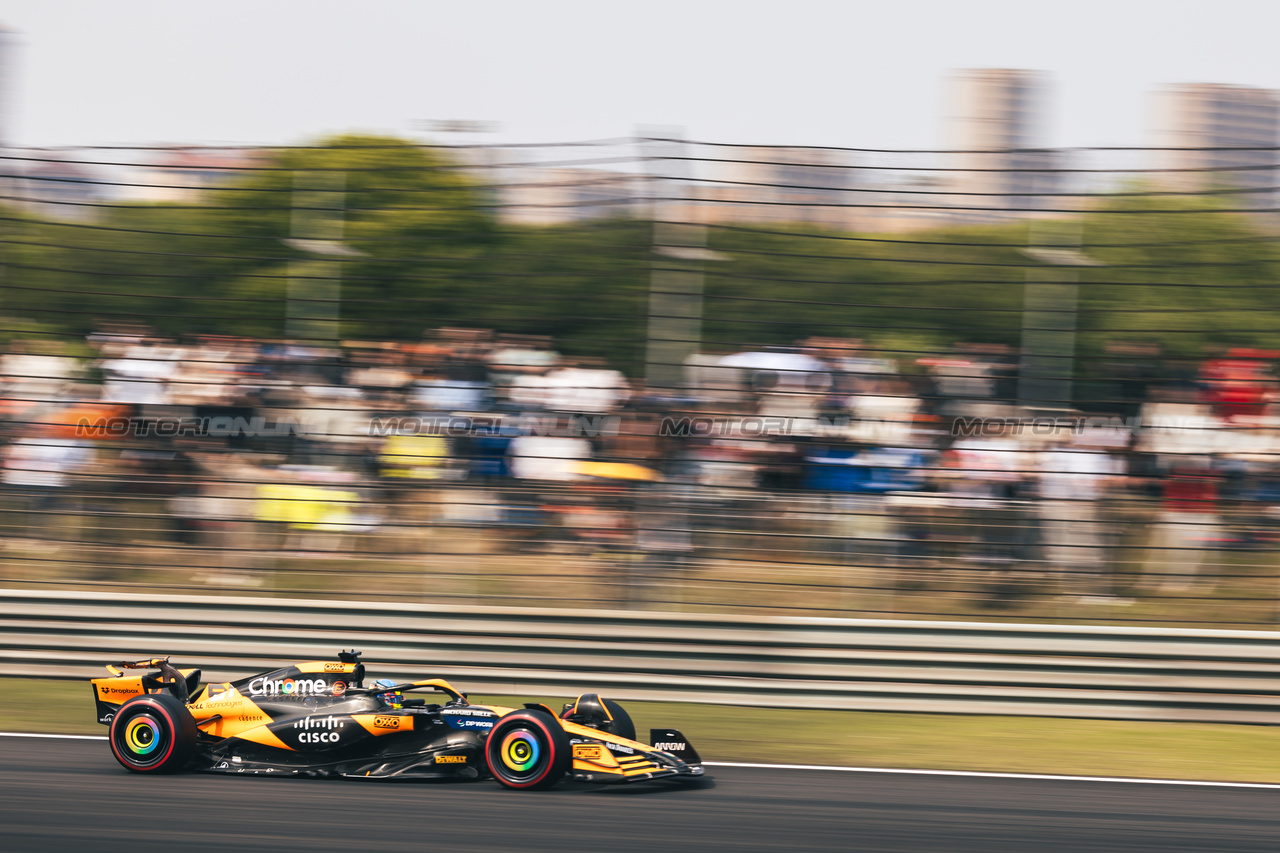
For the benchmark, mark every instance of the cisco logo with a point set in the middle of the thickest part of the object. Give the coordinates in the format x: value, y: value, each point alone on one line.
x: 319, y: 729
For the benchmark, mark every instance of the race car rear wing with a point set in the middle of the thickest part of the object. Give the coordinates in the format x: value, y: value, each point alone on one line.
x: 149, y: 663
x: 169, y: 678
x: 112, y: 692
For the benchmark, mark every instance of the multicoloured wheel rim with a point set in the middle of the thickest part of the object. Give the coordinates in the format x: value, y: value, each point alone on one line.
x: 141, y: 736
x: 143, y: 740
x: 519, y: 752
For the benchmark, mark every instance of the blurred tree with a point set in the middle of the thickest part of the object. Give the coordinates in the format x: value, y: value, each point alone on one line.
x: 1183, y: 271
x: 222, y: 265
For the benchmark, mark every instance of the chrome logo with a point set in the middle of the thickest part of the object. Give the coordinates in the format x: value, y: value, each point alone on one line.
x: 520, y: 751
x: 141, y: 736
x: 262, y: 686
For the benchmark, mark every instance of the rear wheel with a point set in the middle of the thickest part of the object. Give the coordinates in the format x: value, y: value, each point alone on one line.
x: 153, y: 734
x: 528, y: 750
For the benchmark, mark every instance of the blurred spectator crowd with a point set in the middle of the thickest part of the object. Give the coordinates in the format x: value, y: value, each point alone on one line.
x: 907, y: 470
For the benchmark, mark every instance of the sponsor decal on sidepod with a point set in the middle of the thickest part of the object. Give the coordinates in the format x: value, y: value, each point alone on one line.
x: 261, y: 686
x: 319, y: 729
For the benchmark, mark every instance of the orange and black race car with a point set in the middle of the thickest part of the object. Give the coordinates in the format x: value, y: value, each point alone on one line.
x: 318, y: 719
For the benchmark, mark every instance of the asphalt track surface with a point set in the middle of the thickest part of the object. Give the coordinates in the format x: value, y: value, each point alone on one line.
x: 70, y: 795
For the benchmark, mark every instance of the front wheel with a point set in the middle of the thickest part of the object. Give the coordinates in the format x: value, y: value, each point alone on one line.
x: 528, y: 750
x: 153, y: 734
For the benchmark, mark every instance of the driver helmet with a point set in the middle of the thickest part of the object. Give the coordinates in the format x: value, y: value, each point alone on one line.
x: 388, y: 696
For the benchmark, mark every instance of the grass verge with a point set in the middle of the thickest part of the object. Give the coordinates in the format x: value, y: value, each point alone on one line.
x: 803, y: 736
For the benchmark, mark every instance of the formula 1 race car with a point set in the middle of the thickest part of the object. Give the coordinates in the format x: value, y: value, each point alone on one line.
x: 318, y: 719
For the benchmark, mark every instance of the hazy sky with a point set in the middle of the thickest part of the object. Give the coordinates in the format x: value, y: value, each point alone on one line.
x: 857, y: 74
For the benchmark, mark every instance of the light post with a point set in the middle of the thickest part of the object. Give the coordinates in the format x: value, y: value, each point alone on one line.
x: 676, y: 279
x: 313, y: 307
x: 1049, y: 319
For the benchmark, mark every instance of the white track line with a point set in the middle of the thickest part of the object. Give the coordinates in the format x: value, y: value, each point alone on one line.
x: 900, y: 771
x: 982, y: 775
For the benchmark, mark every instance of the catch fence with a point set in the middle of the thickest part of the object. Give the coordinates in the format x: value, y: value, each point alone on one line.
x: 647, y: 373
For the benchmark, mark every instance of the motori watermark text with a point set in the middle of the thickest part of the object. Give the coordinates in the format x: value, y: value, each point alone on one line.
x: 1046, y: 426
x: 259, y: 426
x: 216, y: 426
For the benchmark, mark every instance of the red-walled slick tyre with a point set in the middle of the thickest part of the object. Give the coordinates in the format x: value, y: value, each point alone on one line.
x: 153, y: 734
x: 528, y: 750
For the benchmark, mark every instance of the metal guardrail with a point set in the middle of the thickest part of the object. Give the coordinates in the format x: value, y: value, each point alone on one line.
x: 856, y: 664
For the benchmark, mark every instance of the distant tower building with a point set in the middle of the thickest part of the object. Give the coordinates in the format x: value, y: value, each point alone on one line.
x: 995, y: 131
x: 555, y: 196
x: 188, y: 175
x: 763, y: 184
x: 8, y: 42
x: 1209, y: 116
x: 9, y: 167
x: 60, y: 189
